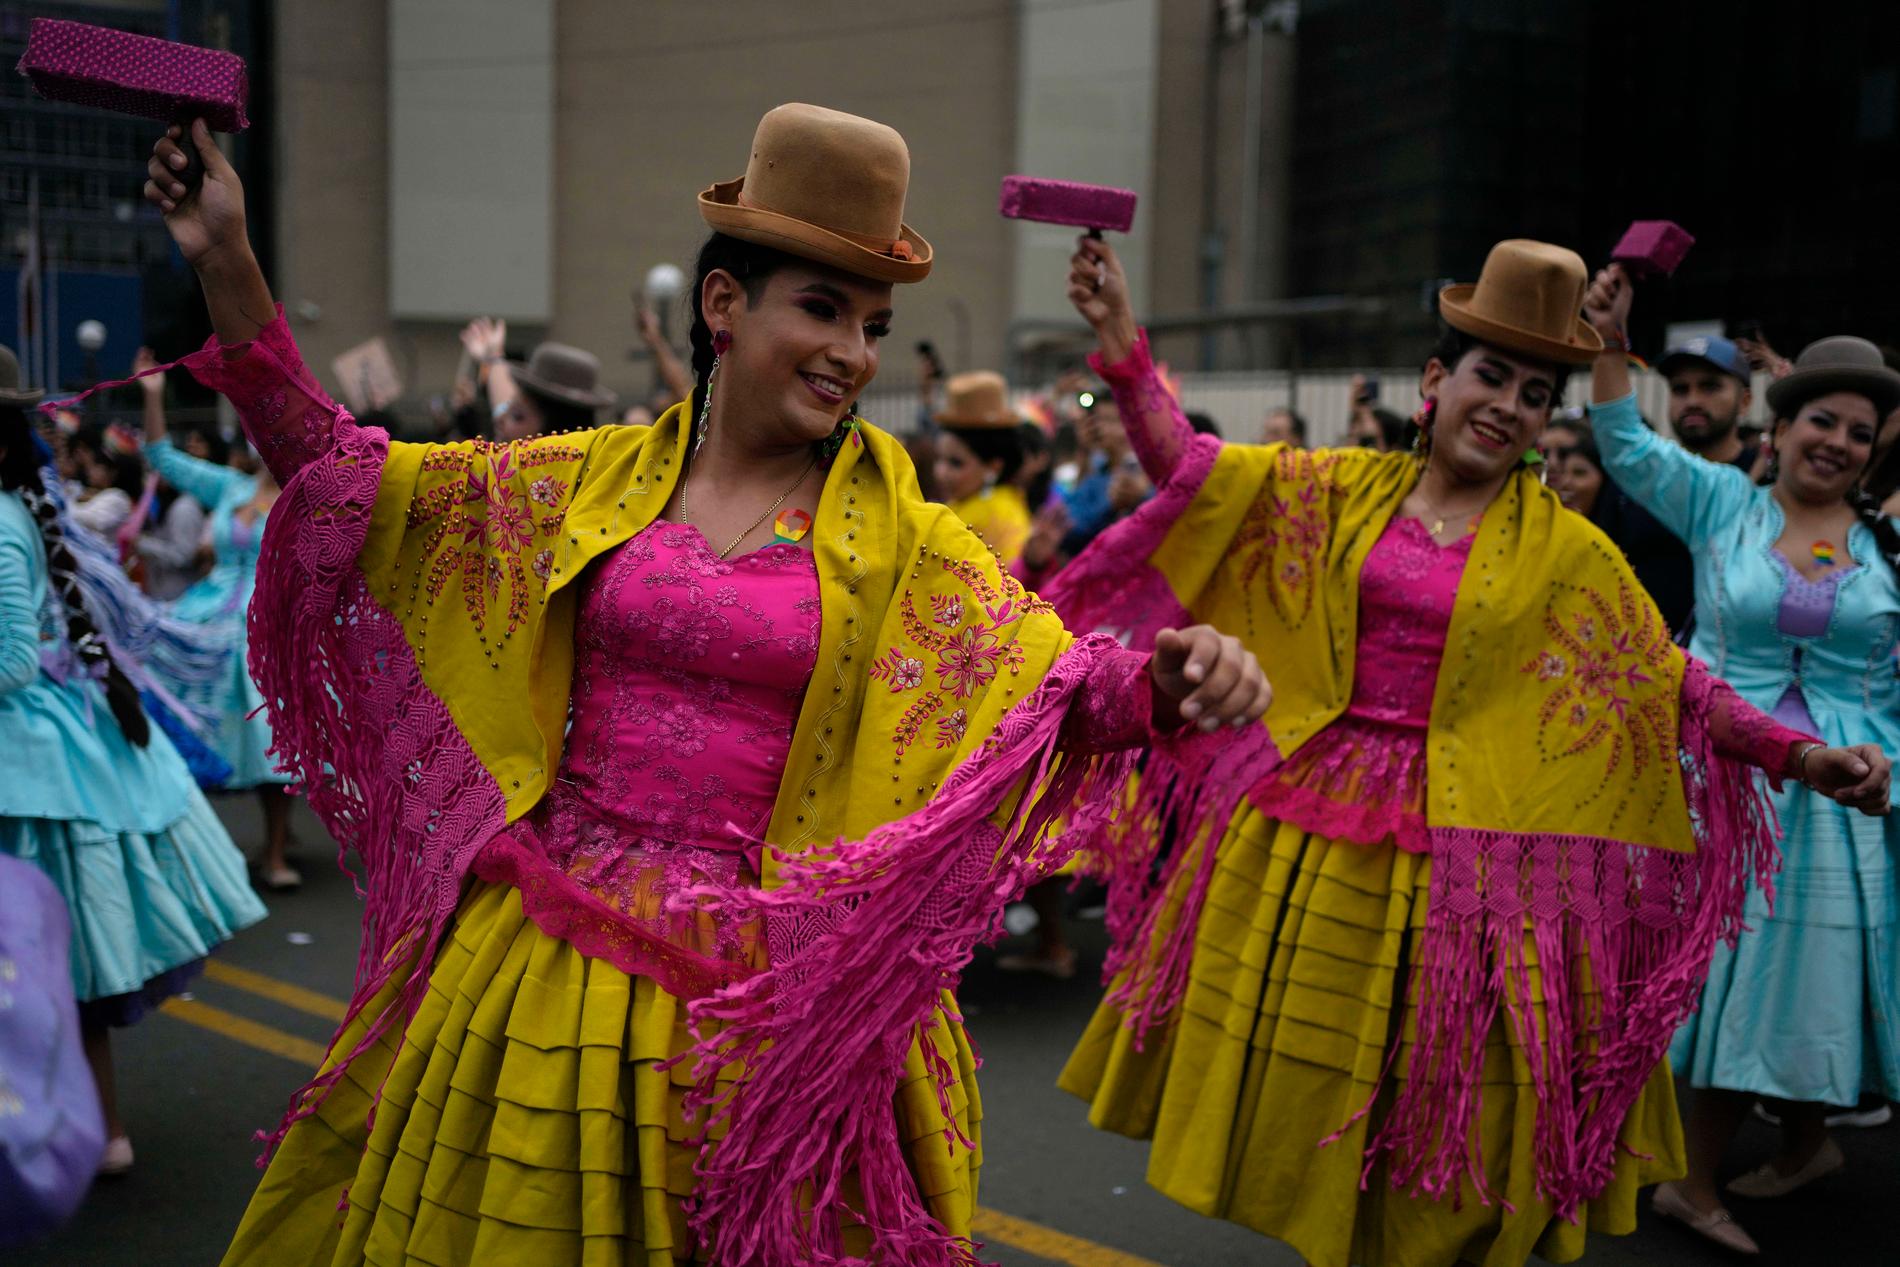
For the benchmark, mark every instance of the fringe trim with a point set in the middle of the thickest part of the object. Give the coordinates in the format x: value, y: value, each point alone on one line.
x: 883, y: 927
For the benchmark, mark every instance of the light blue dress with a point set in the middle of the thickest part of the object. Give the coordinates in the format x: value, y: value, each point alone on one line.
x: 222, y: 597
x: 149, y: 875
x: 1807, y: 1006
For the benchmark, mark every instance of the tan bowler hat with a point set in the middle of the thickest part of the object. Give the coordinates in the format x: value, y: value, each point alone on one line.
x: 1528, y: 300
x: 977, y: 399
x: 825, y: 186
x: 11, y: 393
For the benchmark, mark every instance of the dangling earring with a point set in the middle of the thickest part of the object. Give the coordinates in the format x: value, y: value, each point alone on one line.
x: 721, y: 344
x: 1422, y: 424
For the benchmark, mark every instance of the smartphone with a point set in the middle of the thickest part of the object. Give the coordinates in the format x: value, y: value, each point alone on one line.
x: 1369, y: 393
x: 928, y: 350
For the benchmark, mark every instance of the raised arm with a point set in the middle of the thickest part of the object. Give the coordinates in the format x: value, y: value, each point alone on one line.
x: 1691, y: 497
x: 1157, y: 429
x: 673, y: 371
x: 288, y: 417
x: 208, y: 483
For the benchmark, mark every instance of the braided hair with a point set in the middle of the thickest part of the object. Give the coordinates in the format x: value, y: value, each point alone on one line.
x: 21, y: 473
x: 1886, y: 536
x: 752, y: 265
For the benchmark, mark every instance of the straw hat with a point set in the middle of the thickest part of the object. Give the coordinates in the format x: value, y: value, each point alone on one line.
x: 1527, y: 300
x: 1842, y: 363
x: 825, y: 186
x: 978, y: 399
x: 10, y: 391
x: 567, y: 374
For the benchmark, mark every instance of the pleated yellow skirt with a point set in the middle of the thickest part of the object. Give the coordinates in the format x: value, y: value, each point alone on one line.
x: 1280, y: 1040
x: 524, y: 1121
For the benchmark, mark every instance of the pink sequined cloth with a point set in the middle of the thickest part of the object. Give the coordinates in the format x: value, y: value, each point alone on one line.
x: 1363, y: 777
x: 136, y: 74
x: 688, y: 675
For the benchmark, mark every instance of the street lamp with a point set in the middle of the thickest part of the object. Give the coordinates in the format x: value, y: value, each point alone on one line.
x: 664, y: 285
x: 91, y: 336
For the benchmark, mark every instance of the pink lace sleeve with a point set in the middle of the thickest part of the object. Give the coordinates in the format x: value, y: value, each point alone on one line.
x: 1739, y: 730
x: 288, y: 417
x: 1157, y: 429
x: 1114, y: 708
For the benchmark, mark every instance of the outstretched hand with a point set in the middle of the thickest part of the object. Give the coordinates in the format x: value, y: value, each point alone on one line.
x: 208, y: 220
x: 1211, y: 678
x: 1859, y: 777
x: 1099, y: 290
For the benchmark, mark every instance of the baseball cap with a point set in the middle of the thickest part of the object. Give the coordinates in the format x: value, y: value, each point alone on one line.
x: 1712, y: 349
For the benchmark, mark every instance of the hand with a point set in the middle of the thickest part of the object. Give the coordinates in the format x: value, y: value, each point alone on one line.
x: 1214, y: 679
x: 647, y: 322
x: 1099, y: 290
x: 151, y: 384
x: 485, y: 338
x: 205, y: 223
x: 1607, y: 304
x: 1127, y: 489
x: 1051, y: 525
x: 1858, y: 777
x: 1763, y: 358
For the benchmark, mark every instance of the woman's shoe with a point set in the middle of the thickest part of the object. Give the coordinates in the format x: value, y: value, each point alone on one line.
x: 282, y: 879
x: 1717, y: 1225
x: 1765, y: 1181
x: 117, y: 1159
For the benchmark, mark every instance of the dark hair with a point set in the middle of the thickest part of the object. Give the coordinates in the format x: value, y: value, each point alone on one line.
x: 1586, y: 445
x: 1293, y: 416
x: 752, y: 264
x: 993, y: 444
x: 217, y: 448
x: 1391, y: 428
x: 20, y: 468
x: 1453, y: 343
x: 1206, y: 426
x: 1035, y: 443
x: 561, y: 415
x: 128, y: 473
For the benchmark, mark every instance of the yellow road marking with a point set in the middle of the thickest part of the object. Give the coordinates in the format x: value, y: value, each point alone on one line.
x: 292, y: 996
x: 987, y: 1225
x: 1046, y: 1242
x: 250, y: 1033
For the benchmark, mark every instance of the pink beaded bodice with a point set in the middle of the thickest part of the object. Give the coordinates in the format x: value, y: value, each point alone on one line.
x: 688, y: 675
x: 1363, y: 777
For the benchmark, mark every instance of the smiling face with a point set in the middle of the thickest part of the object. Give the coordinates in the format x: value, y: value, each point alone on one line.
x: 960, y: 472
x: 1705, y: 404
x: 1823, y: 452
x: 1492, y: 407
x: 801, y: 352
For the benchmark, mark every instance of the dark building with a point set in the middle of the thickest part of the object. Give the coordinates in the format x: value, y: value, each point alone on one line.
x: 77, y: 241
x: 1424, y: 132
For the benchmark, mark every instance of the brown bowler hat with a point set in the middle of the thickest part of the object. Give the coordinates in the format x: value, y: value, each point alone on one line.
x: 1527, y: 300
x: 567, y: 374
x: 825, y: 186
x: 977, y: 399
x: 10, y: 392
x: 1842, y: 363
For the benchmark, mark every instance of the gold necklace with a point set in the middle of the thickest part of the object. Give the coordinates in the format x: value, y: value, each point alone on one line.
x: 762, y: 518
x: 1438, y: 524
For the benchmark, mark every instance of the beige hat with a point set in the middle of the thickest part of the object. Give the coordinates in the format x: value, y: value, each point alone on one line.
x: 567, y: 374
x: 977, y: 399
x: 1842, y: 363
x: 825, y: 186
x: 1528, y: 300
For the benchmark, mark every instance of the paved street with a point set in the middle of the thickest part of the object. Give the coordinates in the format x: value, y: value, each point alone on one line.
x: 195, y: 1087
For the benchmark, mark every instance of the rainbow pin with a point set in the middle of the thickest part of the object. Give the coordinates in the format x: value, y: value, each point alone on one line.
x: 790, y: 527
x: 1823, y: 552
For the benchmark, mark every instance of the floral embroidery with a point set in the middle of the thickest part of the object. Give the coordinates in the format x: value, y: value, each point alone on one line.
x: 483, y: 525
x: 1284, y: 533
x: 967, y: 658
x: 1601, y: 655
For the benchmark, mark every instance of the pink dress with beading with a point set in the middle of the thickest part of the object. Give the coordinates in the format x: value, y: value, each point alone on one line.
x: 688, y: 675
